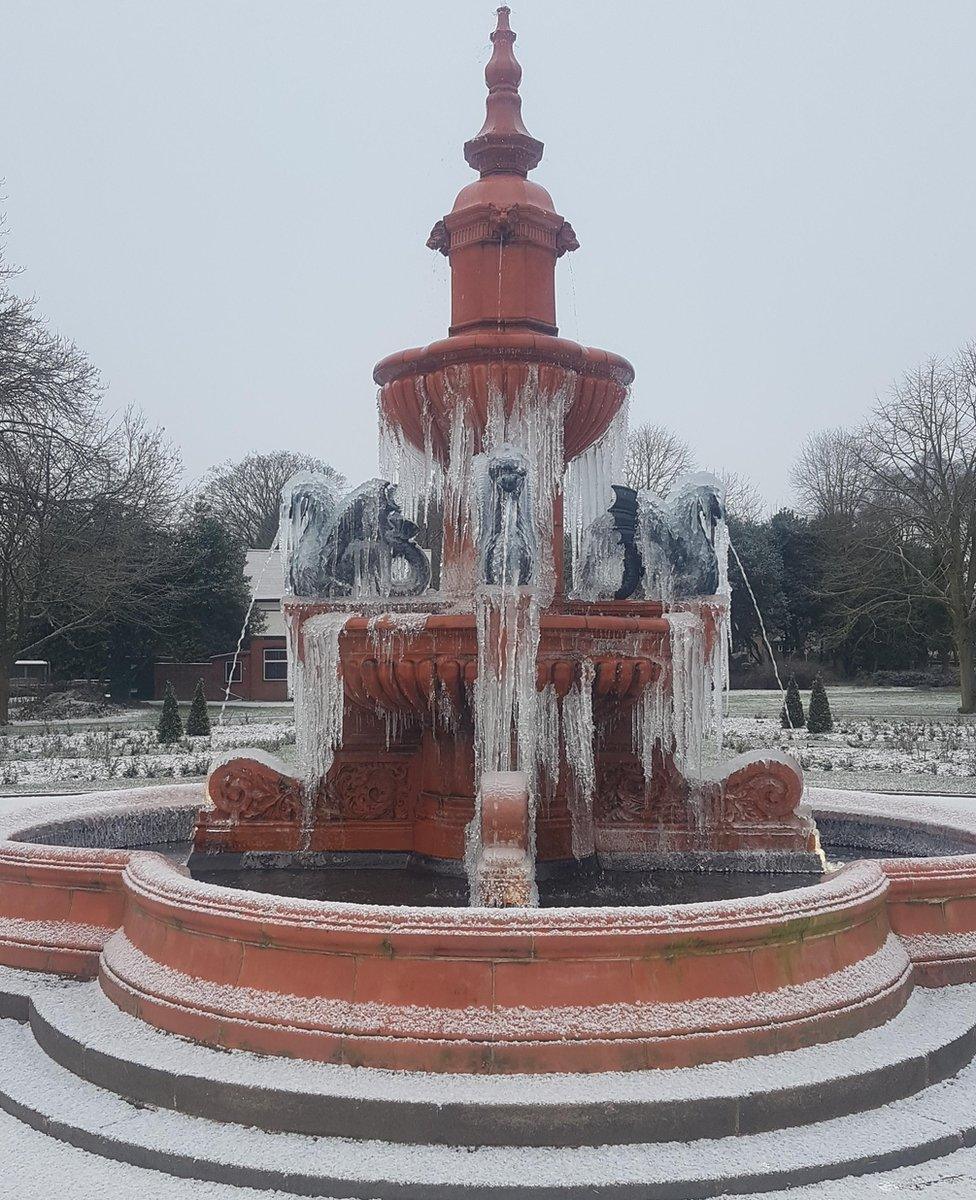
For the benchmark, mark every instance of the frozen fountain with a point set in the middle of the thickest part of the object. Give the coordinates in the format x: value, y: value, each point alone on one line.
x: 508, y: 672
x: 556, y: 699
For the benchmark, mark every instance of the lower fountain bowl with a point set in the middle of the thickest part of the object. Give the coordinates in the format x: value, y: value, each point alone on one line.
x: 478, y: 990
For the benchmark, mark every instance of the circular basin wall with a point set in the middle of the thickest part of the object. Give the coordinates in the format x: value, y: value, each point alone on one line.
x: 482, y: 990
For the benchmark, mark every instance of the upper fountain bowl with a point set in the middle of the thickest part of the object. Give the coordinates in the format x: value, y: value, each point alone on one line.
x: 421, y: 389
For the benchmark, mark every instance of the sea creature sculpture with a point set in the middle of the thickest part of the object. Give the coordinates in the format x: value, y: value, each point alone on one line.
x: 309, y: 501
x: 361, y: 545
x: 658, y: 549
x: 508, y: 549
x: 695, y: 510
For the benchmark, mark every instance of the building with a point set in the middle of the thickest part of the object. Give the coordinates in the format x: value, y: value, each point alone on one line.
x: 261, y: 669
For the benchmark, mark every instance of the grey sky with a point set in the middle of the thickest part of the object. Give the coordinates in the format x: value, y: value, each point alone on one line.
x: 226, y: 203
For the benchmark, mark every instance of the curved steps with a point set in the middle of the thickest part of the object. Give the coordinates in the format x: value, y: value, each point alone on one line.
x: 68, y: 1072
x: 932, y: 1037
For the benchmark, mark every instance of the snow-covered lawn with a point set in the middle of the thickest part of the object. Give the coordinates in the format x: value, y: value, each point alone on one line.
x: 890, y: 739
x: 885, y: 739
x: 32, y: 759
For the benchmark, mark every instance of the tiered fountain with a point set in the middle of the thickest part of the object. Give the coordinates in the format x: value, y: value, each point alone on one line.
x: 507, y: 719
x: 531, y: 740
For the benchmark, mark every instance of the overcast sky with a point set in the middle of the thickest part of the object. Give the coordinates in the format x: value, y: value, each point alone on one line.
x: 226, y: 203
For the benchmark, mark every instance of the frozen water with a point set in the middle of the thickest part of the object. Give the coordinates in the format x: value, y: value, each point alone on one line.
x: 578, y: 735
x: 588, y: 480
x: 318, y: 702
x: 309, y: 501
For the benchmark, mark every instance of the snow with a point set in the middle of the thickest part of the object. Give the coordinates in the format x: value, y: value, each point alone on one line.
x: 930, y: 1020
x: 36, y: 758
x: 940, y: 749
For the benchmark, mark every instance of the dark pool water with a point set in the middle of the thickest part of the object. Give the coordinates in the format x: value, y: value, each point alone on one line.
x: 589, y: 887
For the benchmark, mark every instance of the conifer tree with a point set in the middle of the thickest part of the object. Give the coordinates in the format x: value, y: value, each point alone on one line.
x: 791, y: 715
x: 819, y: 718
x: 170, y: 727
x: 198, y: 719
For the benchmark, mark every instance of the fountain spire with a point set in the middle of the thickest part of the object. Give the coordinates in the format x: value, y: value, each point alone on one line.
x: 503, y: 145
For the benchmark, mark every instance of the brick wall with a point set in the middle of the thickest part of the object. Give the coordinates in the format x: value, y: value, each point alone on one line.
x: 251, y: 686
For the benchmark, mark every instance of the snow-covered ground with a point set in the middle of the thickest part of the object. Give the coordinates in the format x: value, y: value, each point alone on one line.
x: 884, y: 739
x: 33, y: 759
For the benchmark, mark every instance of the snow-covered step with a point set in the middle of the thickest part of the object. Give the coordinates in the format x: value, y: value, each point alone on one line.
x: 40, y: 1092
x: 928, y: 1041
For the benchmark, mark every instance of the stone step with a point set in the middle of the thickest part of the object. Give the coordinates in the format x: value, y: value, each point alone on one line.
x: 44, y: 1095
x: 77, y: 1027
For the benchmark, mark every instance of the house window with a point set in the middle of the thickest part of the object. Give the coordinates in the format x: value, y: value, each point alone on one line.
x: 233, y: 671
x: 275, y: 663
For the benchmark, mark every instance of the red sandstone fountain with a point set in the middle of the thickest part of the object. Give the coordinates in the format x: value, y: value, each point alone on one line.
x: 518, y: 714
x: 512, y: 716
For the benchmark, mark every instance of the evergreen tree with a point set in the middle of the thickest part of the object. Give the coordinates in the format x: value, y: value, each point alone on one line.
x: 791, y: 715
x: 211, y: 594
x: 198, y: 719
x: 819, y: 718
x: 170, y: 727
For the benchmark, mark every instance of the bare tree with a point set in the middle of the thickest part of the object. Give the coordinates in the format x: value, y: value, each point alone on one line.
x: 79, y: 493
x: 655, y: 458
x: 742, y: 498
x: 246, y: 495
x: 914, y: 542
x: 830, y: 477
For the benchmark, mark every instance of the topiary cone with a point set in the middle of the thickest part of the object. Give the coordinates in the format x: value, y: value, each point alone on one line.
x: 819, y: 719
x: 198, y: 719
x: 791, y: 714
x: 170, y: 727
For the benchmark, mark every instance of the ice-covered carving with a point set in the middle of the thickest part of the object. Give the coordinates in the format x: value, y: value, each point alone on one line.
x: 309, y: 502
x: 671, y: 549
x: 696, y: 512
x: 361, y: 545
x: 507, y: 540
x: 610, y: 562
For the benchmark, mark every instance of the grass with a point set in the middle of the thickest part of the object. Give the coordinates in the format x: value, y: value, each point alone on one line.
x: 860, y: 703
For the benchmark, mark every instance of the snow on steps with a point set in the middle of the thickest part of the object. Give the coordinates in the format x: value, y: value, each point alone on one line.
x: 52, y: 1100
x: 85, y: 1033
x: 923, y: 1126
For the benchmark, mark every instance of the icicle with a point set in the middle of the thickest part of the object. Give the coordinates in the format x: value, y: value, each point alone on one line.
x: 548, y: 733
x: 318, y: 703
x: 587, y: 482
x: 578, y: 733
x: 418, y: 474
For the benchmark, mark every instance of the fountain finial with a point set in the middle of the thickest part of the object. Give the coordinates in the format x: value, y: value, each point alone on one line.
x: 503, y: 145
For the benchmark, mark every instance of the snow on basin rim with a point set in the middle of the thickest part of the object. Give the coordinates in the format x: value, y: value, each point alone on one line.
x: 149, y: 872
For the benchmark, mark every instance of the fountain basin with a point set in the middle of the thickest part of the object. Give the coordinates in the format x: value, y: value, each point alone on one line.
x: 477, y: 990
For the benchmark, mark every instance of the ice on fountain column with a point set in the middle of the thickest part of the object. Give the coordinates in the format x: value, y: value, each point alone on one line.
x: 318, y: 692
x: 578, y: 735
x: 506, y: 535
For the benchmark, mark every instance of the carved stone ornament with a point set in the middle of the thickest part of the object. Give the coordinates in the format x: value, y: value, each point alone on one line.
x: 367, y: 792
x: 440, y: 238
x: 620, y: 793
x: 566, y: 239
x: 762, y: 792
x: 244, y: 789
